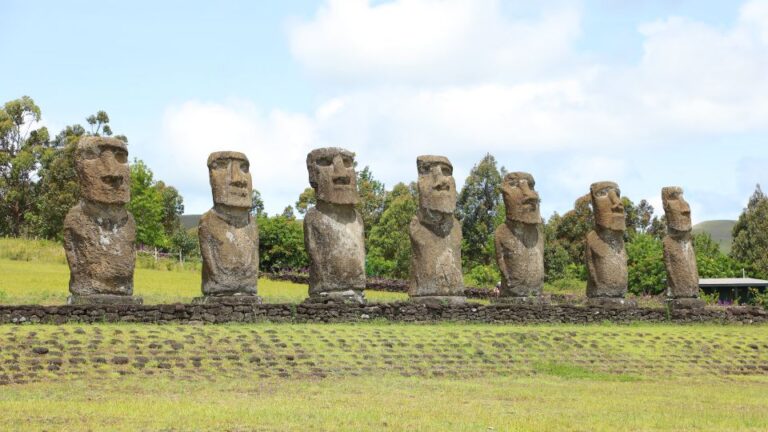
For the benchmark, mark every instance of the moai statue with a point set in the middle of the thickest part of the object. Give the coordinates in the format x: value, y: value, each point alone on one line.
x: 436, y: 236
x: 229, y: 237
x: 520, y: 241
x: 99, y: 233
x: 605, y: 255
x: 333, y: 229
x: 679, y: 256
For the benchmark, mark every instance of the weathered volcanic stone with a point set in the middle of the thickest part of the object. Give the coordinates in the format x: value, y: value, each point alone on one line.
x: 229, y: 237
x: 605, y: 256
x: 679, y: 255
x: 99, y: 233
x: 333, y: 229
x: 436, y: 236
x: 520, y: 241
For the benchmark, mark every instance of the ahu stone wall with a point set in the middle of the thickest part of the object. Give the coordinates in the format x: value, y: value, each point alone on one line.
x: 223, y: 312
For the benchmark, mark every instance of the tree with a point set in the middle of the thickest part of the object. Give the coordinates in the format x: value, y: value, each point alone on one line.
x: 20, y: 151
x: 571, y: 232
x: 257, y: 204
x: 372, y: 196
x: 389, y: 245
x: 147, y: 207
x: 281, y: 244
x: 173, y: 207
x: 306, y: 199
x: 750, y: 235
x: 644, y: 216
x: 288, y: 213
x: 477, y: 208
x: 645, y: 265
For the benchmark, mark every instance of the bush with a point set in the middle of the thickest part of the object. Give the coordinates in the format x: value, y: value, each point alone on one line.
x: 482, y: 276
x: 645, y: 263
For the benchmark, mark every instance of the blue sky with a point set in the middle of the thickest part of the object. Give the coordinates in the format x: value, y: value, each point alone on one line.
x: 648, y: 94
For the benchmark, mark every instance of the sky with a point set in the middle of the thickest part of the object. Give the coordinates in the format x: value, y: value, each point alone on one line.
x: 645, y: 93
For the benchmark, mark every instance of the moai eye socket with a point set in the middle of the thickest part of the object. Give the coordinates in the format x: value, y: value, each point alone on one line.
x: 121, y: 156
x: 324, y: 161
x: 244, y: 167
x: 347, y: 162
x: 602, y: 193
x: 447, y: 171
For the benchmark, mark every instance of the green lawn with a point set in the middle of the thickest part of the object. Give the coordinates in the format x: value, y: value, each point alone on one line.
x: 379, y: 376
x: 32, y: 282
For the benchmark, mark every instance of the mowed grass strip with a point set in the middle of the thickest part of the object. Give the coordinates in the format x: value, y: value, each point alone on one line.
x: 46, y: 283
x: 47, y: 353
x: 373, y: 402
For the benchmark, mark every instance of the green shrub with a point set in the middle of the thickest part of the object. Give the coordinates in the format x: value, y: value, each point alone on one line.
x: 483, y: 276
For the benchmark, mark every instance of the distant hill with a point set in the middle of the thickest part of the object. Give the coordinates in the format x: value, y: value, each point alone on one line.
x: 720, y: 230
x: 190, y: 221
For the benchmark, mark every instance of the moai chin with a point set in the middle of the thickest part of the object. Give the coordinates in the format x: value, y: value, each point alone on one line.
x: 333, y: 229
x: 99, y: 233
x: 436, y: 236
x: 229, y: 236
x: 679, y: 255
x: 605, y: 256
x: 520, y: 241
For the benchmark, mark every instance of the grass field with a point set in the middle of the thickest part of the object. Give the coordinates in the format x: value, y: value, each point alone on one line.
x: 379, y: 376
x: 366, y: 376
x: 31, y: 282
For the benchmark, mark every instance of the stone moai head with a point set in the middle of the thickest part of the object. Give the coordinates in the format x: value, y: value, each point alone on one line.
x: 230, y: 177
x: 677, y: 210
x: 332, y: 175
x: 437, y: 188
x: 607, y: 206
x: 102, y: 167
x: 520, y: 198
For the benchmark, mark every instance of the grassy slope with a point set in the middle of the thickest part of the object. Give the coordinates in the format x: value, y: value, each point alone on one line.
x: 384, y: 376
x: 720, y: 230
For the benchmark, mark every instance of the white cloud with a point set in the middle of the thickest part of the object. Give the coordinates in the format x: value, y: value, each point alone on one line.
x: 459, y: 78
x: 276, y: 144
x: 430, y: 41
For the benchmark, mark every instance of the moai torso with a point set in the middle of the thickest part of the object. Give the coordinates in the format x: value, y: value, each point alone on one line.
x: 435, y: 261
x: 100, y: 253
x: 682, y: 273
x: 333, y: 236
x: 606, y: 267
x: 520, y: 256
x: 230, y: 255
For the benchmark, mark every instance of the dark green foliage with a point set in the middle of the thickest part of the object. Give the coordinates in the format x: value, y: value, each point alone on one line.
x: 477, y: 209
x: 20, y: 152
x: 372, y: 197
x: 306, y: 200
x: 257, y: 204
x: 645, y: 262
x: 484, y: 276
x: 750, y: 235
x: 147, y: 207
x: 389, y: 245
x: 185, y: 242
x: 281, y: 244
x: 711, y: 262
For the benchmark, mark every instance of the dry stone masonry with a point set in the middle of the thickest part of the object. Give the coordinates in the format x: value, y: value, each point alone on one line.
x: 229, y: 237
x: 679, y: 256
x: 99, y: 233
x: 520, y: 241
x: 605, y: 256
x: 436, y: 236
x: 333, y: 229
